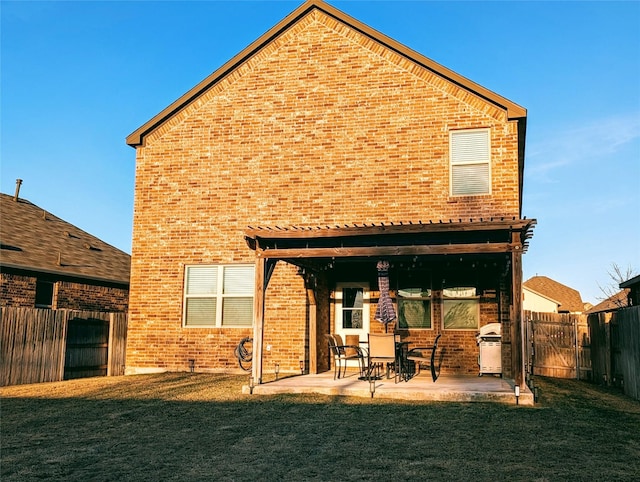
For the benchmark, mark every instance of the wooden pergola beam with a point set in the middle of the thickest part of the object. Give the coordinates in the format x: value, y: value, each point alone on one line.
x: 337, y: 231
x: 376, y: 251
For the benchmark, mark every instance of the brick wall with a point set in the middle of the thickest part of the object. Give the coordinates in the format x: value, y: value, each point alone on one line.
x: 17, y: 290
x: 20, y: 290
x: 78, y: 296
x: 322, y: 126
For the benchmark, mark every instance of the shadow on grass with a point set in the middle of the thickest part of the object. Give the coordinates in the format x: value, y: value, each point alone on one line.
x: 199, y: 427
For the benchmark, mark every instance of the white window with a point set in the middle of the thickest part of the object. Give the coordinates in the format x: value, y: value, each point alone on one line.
x: 414, y: 308
x: 460, y: 309
x: 470, y: 153
x: 352, y: 310
x: 219, y: 295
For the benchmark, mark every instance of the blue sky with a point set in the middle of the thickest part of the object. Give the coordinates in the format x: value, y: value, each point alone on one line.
x: 78, y: 77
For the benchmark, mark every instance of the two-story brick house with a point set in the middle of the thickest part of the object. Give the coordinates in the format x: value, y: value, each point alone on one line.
x: 267, y: 194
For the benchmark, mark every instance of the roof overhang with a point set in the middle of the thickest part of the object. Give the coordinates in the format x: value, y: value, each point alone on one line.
x: 482, y: 236
x: 630, y: 282
x: 62, y: 275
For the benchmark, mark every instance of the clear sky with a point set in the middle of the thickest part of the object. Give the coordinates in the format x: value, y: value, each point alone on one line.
x: 78, y: 77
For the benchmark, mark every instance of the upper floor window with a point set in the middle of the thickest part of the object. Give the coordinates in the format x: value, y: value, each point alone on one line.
x: 470, y: 154
x: 219, y: 295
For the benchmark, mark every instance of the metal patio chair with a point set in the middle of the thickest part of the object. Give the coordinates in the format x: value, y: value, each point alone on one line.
x: 426, y: 356
x: 342, y: 354
x: 382, y: 354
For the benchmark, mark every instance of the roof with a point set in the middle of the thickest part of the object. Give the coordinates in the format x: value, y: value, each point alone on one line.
x: 34, y: 240
x: 540, y: 294
x: 570, y: 299
x: 630, y: 282
x: 613, y: 303
x: 514, y: 111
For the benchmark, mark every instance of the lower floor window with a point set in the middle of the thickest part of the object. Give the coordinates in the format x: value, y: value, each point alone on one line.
x: 461, y: 309
x: 414, y: 308
x: 219, y: 295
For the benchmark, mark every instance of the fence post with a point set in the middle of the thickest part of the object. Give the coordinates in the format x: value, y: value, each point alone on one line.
x: 110, y: 345
x: 575, y: 343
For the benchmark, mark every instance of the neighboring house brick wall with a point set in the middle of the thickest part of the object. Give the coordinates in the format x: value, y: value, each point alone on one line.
x: 78, y: 296
x: 20, y: 290
x: 322, y: 126
x: 17, y: 290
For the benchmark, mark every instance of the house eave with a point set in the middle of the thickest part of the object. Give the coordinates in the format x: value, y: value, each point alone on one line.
x: 513, y: 110
x: 33, y: 271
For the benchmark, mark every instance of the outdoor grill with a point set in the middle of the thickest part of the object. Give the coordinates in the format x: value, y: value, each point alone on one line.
x: 490, y: 357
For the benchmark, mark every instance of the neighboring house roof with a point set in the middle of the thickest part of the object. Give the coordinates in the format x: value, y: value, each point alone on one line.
x: 513, y: 110
x: 570, y: 299
x: 630, y: 282
x: 612, y: 303
x: 541, y: 294
x: 35, y: 240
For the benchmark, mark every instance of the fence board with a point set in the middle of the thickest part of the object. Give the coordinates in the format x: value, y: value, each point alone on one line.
x: 117, y: 343
x: 615, y: 340
x: 558, y: 345
x: 87, y: 346
x: 33, y: 344
x: 629, y: 353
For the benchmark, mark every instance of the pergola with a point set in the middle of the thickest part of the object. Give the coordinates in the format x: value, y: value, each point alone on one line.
x: 314, y: 248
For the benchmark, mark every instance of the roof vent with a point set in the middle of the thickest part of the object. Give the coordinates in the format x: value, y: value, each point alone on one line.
x: 17, y: 194
x: 92, y: 248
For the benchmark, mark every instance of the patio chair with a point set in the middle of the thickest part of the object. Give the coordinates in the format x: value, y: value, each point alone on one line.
x: 342, y: 354
x: 382, y: 353
x: 425, y: 355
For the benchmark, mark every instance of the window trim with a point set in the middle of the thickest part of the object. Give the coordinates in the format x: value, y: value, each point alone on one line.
x: 219, y: 295
x: 487, y: 162
x: 338, y: 295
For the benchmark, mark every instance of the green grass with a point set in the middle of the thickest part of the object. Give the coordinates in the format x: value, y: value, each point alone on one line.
x: 200, y: 427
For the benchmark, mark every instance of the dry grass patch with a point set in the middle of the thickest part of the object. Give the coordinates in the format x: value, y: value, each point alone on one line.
x: 200, y: 427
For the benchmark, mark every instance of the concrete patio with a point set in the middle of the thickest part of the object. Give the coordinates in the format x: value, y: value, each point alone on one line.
x: 447, y: 388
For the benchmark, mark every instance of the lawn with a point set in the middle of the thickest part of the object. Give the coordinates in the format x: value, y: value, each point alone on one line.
x: 200, y: 427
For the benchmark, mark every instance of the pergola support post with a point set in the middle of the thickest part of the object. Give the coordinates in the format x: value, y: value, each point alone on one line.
x: 313, y: 323
x: 516, y: 312
x: 258, y: 319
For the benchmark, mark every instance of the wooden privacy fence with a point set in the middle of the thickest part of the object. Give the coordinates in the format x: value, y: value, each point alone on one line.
x: 39, y: 345
x: 557, y: 345
x: 615, y: 340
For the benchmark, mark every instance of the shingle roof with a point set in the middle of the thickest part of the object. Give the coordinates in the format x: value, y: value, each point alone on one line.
x: 35, y: 240
x: 613, y: 303
x: 570, y: 299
